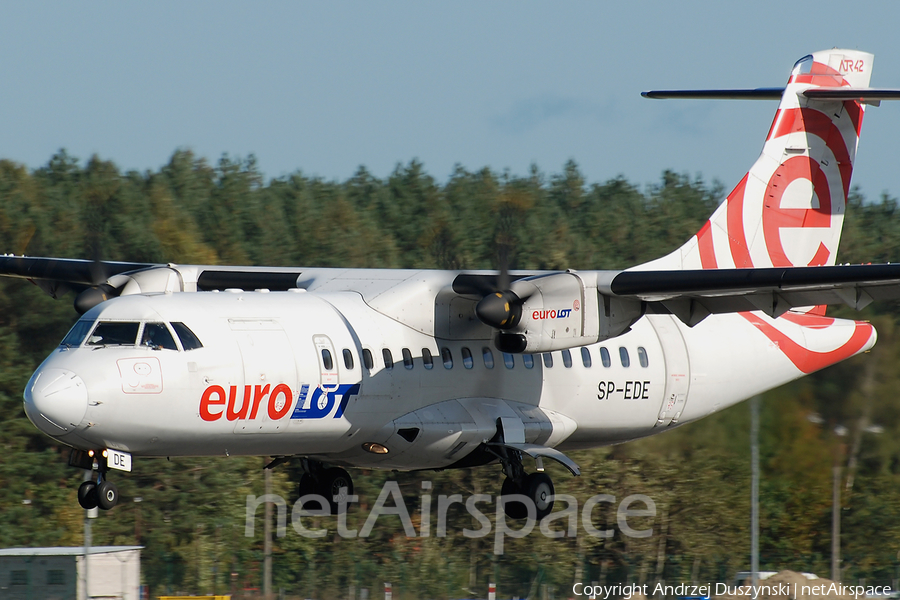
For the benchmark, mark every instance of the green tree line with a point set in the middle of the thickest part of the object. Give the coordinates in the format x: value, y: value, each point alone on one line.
x: 191, y: 517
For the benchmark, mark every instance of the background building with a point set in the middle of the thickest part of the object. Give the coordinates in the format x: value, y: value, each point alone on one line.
x: 113, y: 572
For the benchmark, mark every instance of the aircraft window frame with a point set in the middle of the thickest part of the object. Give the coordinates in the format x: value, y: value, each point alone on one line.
x: 388, y: 358
x: 624, y: 357
x: 528, y: 361
x: 407, y: 359
x: 509, y: 360
x: 487, y: 356
x: 447, y: 357
x: 548, y: 359
x: 643, y: 357
x: 368, y: 359
x: 567, y: 358
x: 327, y: 359
x: 348, y: 358
x: 185, y: 335
x: 605, y: 357
x: 79, y: 331
x: 586, y: 359
x: 468, y: 361
x: 100, y: 343
x: 166, y: 337
x: 427, y: 359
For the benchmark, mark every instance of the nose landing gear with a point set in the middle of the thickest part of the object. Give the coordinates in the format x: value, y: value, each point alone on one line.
x: 93, y: 493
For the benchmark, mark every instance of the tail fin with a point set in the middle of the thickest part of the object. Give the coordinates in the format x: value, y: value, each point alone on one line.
x: 789, y: 208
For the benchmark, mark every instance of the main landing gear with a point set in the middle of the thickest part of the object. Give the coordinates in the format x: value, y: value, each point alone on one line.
x: 333, y: 484
x: 536, y: 487
x: 97, y: 491
x: 509, y: 446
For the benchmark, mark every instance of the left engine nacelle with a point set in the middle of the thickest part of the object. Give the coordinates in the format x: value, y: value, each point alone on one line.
x: 555, y: 312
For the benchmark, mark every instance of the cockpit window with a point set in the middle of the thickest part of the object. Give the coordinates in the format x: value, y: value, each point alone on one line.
x: 114, y: 334
x: 157, y: 336
x: 189, y: 341
x: 77, y: 334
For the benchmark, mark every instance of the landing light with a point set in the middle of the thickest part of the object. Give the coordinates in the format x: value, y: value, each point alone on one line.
x: 91, y: 453
x: 374, y: 448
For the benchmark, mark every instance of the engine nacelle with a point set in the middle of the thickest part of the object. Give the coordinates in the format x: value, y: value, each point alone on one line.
x: 155, y: 279
x: 564, y: 310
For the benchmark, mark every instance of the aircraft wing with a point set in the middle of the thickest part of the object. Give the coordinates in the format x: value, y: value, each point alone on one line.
x: 56, y: 276
x: 691, y: 295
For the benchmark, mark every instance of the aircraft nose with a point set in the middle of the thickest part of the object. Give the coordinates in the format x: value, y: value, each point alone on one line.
x: 56, y: 401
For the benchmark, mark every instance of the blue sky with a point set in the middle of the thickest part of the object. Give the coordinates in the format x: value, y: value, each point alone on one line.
x: 325, y: 87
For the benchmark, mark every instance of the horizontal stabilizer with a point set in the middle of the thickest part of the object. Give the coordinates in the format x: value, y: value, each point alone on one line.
x: 749, y: 94
x: 866, y: 95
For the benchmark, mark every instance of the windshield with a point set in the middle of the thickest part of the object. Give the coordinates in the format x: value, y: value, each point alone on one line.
x: 77, y: 334
x: 114, y: 334
x: 157, y: 336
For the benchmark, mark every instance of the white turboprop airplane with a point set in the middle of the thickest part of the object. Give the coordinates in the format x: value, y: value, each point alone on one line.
x: 423, y: 369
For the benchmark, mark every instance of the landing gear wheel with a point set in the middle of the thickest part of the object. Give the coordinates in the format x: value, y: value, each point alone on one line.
x: 308, y: 487
x: 107, y: 495
x: 539, y: 487
x: 87, y: 495
x: 330, y: 484
x: 513, y: 510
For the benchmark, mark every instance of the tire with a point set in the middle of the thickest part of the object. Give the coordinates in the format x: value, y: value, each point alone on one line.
x: 308, y: 487
x: 107, y: 495
x: 330, y: 484
x: 539, y: 487
x: 87, y: 495
x: 513, y: 510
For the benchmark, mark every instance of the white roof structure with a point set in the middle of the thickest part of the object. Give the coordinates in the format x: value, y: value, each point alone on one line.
x: 66, y: 551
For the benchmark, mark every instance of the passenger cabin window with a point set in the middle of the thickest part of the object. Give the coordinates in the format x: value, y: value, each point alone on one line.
x: 586, y: 357
x: 157, y: 336
x: 567, y: 359
x: 468, y: 361
x: 189, y: 341
x: 642, y: 357
x: 447, y: 358
x: 77, y: 334
x: 509, y: 360
x: 348, y: 358
x: 548, y: 360
x: 114, y: 334
x: 623, y: 356
x: 488, y: 357
x: 528, y: 361
x: 427, y: 359
x: 407, y: 358
x: 367, y: 359
x: 327, y: 361
x: 604, y: 358
x: 388, y: 359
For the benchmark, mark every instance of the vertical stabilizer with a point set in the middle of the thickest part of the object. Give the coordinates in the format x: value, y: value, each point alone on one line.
x: 789, y: 208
